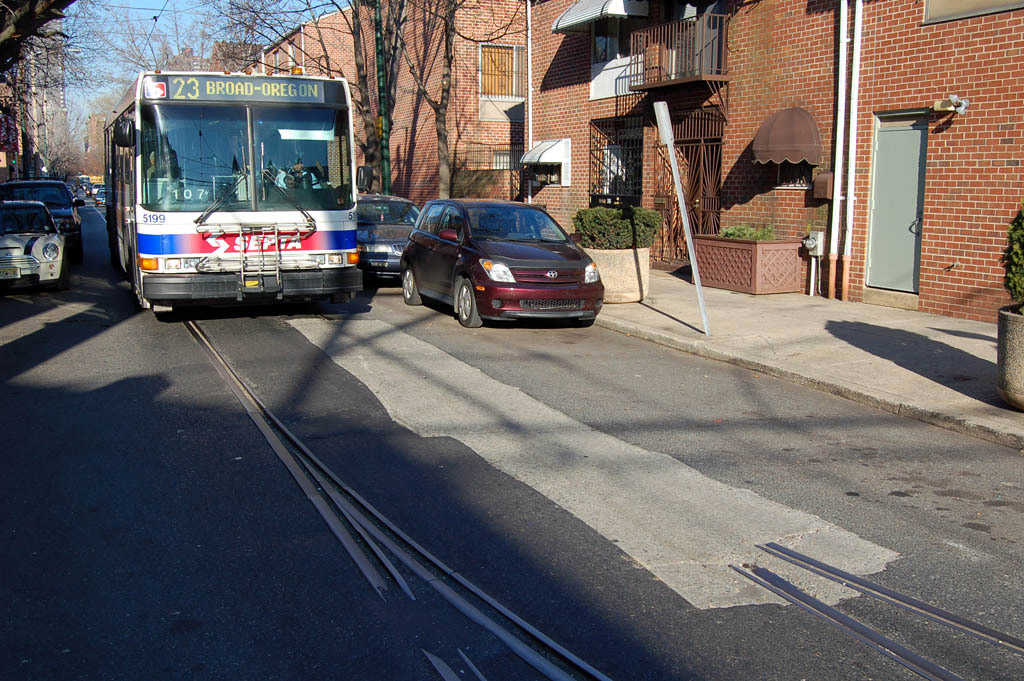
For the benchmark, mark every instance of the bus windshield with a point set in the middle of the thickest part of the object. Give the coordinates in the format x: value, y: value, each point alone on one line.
x: 193, y: 156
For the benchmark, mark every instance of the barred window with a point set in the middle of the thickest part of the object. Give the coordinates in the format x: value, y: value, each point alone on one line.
x: 502, y: 71
x: 616, y: 156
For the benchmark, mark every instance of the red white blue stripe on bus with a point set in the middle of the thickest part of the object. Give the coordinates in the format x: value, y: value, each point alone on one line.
x: 206, y: 244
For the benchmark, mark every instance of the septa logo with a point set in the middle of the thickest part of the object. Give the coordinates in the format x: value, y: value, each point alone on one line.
x: 154, y: 90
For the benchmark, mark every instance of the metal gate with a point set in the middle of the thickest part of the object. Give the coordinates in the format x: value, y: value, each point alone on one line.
x: 698, y: 135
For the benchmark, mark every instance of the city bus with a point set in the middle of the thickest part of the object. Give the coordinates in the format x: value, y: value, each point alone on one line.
x: 232, y: 188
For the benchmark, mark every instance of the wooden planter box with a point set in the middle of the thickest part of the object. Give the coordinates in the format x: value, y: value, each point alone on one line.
x: 749, y: 266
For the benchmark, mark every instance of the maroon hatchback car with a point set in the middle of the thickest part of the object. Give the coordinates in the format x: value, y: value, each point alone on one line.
x: 499, y: 260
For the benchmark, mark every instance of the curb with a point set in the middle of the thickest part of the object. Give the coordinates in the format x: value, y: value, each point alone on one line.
x: 954, y: 423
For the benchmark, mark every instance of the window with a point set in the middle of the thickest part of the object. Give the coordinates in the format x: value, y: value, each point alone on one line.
x: 502, y: 73
x: 431, y: 220
x: 794, y: 175
x: 616, y: 156
x: 611, y: 38
x: 946, y: 10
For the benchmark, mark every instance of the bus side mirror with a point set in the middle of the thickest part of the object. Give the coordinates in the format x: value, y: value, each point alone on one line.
x: 364, y: 178
x: 124, y: 133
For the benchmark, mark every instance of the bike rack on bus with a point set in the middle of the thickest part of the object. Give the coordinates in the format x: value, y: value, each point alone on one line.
x: 259, y: 269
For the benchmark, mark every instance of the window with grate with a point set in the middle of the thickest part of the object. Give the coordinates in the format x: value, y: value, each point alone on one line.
x: 502, y: 71
x: 616, y: 156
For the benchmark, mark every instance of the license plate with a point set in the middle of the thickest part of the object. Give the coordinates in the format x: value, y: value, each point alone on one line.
x: 9, y: 273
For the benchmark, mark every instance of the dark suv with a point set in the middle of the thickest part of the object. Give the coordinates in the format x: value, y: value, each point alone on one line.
x: 62, y: 205
x: 499, y: 260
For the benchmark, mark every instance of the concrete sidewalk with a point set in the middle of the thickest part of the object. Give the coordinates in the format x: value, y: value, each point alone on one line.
x: 935, y: 369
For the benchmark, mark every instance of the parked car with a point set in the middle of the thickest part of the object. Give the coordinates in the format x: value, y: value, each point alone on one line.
x: 499, y: 260
x: 384, y: 226
x: 62, y: 206
x: 32, y: 250
x: 101, y: 196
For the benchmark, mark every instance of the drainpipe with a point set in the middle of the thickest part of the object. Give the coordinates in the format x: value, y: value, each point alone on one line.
x: 854, y: 100
x: 837, y: 159
x: 529, y: 95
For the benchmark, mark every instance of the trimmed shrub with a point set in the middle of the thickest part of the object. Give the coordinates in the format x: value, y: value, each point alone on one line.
x: 749, y: 232
x: 1013, y: 257
x: 612, y: 228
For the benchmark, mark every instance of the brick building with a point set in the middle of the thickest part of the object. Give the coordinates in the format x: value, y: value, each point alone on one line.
x: 934, y: 189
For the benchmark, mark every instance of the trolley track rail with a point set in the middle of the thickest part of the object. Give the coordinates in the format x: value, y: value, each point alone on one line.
x: 876, y: 640
x: 363, y: 530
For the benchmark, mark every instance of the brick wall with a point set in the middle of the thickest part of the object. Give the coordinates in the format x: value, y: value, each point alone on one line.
x: 783, y: 53
x: 974, y: 181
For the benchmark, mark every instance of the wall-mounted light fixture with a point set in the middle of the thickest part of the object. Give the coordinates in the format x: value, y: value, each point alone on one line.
x: 954, y: 103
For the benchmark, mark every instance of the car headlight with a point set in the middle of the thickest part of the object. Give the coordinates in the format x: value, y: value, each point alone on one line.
x: 591, y: 275
x: 51, y: 251
x: 497, y: 271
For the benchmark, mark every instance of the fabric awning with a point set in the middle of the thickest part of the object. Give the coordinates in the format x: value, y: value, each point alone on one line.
x: 790, y: 135
x: 583, y: 12
x: 548, y: 151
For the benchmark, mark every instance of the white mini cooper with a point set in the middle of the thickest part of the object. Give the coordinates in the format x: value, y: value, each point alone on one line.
x: 32, y: 251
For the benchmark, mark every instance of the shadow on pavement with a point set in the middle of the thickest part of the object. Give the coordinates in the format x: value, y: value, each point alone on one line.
x: 946, y: 365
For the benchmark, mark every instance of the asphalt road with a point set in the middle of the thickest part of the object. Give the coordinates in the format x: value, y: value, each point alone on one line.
x: 595, y: 483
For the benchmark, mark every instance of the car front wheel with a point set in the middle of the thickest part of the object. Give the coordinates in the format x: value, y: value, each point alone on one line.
x: 465, y: 305
x: 410, y: 291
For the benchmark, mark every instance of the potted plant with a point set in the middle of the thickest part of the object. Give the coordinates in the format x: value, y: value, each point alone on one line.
x: 749, y: 260
x: 1010, y: 347
x: 619, y: 243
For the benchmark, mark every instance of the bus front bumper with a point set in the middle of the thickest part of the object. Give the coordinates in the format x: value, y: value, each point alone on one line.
x: 226, y: 287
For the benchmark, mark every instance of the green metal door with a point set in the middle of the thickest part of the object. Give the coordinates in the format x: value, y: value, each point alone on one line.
x: 897, y: 203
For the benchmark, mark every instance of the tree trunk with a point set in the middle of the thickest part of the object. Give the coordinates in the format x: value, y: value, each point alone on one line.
x: 444, y: 168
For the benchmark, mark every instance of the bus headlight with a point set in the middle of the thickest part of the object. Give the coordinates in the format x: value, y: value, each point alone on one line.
x: 51, y: 251
x: 335, y: 259
x: 172, y: 263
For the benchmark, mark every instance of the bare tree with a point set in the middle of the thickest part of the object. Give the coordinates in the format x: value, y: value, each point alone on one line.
x: 432, y: 57
x: 23, y: 20
x: 279, y: 20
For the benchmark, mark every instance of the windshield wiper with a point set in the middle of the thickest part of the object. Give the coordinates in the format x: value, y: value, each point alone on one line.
x: 213, y: 207
x: 273, y: 183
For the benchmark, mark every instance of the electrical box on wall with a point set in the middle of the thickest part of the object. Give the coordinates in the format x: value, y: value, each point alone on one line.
x: 823, y: 185
x: 815, y: 244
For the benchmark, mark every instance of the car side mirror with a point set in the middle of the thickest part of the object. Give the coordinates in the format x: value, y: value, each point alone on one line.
x: 576, y: 238
x: 79, y: 203
x: 364, y: 178
x: 448, y: 235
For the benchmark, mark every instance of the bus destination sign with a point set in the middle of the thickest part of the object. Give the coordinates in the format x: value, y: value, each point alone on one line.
x: 206, y: 88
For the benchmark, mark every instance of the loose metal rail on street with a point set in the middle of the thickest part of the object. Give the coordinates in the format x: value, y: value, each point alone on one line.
x: 909, y: 659
x: 341, y: 507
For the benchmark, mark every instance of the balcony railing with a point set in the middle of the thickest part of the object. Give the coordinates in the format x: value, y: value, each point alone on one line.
x: 679, y: 52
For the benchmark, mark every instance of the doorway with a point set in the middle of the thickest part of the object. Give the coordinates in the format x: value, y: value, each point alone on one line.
x: 897, y: 203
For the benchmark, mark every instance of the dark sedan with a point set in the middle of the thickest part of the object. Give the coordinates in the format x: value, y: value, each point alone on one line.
x: 385, y: 223
x: 499, y: 260
x: 62, y: 206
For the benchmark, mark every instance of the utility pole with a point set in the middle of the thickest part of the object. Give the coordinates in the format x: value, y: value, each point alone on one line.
x: 383, y: 111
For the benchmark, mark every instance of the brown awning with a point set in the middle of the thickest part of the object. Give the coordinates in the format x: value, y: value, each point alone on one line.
x: 790, y: 135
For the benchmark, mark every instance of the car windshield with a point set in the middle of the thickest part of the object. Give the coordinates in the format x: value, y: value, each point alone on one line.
x: 514, y: 223
x: 24, y: 219
x: 53, y: 195
x: 387, y: 212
